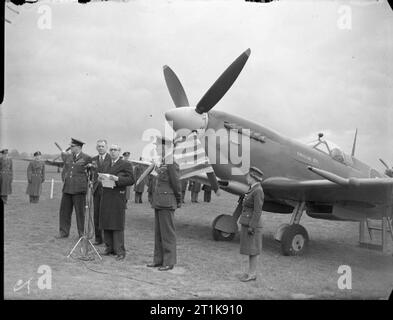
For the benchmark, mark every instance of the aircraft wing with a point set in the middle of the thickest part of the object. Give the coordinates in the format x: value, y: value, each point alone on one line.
x: 354, y: 194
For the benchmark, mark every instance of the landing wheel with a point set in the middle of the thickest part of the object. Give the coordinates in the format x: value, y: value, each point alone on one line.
x: 219, y: 235
x: 294, y: 240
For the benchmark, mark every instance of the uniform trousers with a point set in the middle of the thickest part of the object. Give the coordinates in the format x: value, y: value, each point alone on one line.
x: 164, y: 237
x: 138, y: 197
x: 194, y: 196
x: 68, y: 202
x: 114, y: 241
x: 207, y: 196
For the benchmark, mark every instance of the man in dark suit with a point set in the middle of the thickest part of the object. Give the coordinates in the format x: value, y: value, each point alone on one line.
x: 166, y: 198
x: 74, y: 188
x: 100, y: 162
x: 113, y: 203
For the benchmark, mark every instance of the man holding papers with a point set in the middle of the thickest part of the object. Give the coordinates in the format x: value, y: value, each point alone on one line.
x: 117, y: 176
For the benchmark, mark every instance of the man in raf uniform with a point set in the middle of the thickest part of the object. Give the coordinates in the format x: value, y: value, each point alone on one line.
x: 166, y: 198
x: 6, y: 175
x: 74, y: 188
x: 35, y: 177
x: 195, y: 188
x: 113, y: 203
x: 100, y: 162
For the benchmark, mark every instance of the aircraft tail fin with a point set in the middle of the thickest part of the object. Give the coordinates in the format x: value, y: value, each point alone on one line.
x: 354, y: 143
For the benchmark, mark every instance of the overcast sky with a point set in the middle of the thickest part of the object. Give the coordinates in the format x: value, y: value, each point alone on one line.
x: 97, y: 73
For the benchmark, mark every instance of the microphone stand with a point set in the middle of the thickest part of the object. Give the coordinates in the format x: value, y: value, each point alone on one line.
x: 87, y: 231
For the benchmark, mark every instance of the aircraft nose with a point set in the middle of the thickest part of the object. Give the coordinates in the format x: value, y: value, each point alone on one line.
x: 186, y: 119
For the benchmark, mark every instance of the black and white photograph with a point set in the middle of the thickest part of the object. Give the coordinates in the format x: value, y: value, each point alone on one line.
x: 197, y: 150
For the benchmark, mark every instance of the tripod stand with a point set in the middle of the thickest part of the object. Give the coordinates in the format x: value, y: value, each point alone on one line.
x: 84, y: 240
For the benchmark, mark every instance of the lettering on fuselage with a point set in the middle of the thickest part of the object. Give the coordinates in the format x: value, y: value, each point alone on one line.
x: 309, y: 159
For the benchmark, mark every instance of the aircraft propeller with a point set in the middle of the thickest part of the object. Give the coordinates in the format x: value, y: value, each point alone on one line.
x: 222, y: 84
x: 175, y: 88
x: 185, y: 119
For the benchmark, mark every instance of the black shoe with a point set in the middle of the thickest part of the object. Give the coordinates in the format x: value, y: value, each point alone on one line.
x: 107, y: 253
x: 120, y: 257
x: 59, y: 236
x: 165, y: 268
x: 97, y: 243
x: 154, y: 265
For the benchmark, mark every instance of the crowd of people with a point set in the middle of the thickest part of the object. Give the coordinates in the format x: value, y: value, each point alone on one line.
x: 110, y: 175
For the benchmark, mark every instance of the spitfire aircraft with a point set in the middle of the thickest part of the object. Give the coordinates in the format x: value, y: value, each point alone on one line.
x: 319, y: 178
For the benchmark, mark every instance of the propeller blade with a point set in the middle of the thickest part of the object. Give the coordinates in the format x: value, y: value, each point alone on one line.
x: 175, y: 88
x: 384, y: 163
x: 222, y: 84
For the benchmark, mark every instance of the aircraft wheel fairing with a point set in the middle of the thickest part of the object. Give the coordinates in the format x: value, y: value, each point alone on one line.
x: 224, y: 228
x: 294, y: 240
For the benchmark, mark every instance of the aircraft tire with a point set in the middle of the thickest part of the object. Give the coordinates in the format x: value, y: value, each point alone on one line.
x: 294, y: 240
x: 219, y: 235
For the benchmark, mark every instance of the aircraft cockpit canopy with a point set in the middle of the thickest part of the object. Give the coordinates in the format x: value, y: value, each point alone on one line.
x: 332, y: 150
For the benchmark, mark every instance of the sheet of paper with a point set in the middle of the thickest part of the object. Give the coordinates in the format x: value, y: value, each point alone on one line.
x: 106, y: 182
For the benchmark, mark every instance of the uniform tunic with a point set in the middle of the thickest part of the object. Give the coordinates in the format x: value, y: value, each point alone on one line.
x: 35, y: 178
x: 251, y: 217
x: 6, y: 177
x: 74, y: 192
x: 166, y: 198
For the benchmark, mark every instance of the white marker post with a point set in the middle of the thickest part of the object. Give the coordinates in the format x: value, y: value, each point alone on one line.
x: 51, y: 188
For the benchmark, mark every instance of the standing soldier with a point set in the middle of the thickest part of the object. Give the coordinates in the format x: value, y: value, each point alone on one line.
x: 35, y: 177
x: 100, y: 161
x: 113, y: 203
x: 139, y: 169
x: 6, y: 176
x: 207, y: 195
x: 195, y: 189
x: 126, y: 157
x: 166, y: 198
x: 74, y: 189
x: 251, y: 223
x: 184, y: 183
